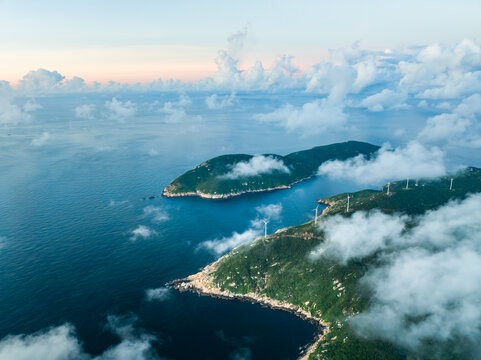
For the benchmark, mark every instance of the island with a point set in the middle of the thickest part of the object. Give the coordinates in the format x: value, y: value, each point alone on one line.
x: 277, y: 272
x: 232, y: 175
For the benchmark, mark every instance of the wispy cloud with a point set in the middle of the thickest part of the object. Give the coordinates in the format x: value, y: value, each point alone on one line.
x: 156, y: 213
x: 42, y: 140
x: 158, y: 294
x: 85, y: 111
x: 142, y: 231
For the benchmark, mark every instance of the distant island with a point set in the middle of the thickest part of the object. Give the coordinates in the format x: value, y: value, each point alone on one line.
x: 276, y: 271
x: 232, y: 175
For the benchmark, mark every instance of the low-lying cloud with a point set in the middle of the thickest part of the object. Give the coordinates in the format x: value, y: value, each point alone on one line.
x: 412, y: 161
x: 427, y: 285
x: 215, y: 102
x: 156, y: 213
x: 141, y: 231
x: 61, y: 343
x: 42, y: 140
x: 319, y: 116
x: 264, y: 213
x: 158, y: 294
x: 257, y: 165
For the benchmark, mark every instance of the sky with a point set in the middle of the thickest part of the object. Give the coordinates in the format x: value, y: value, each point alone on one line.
x: 141, y: 41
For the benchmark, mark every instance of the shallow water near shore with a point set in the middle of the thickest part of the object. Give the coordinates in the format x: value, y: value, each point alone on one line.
x: 67, y: 253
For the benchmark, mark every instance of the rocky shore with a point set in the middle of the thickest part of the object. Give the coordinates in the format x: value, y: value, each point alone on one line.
x: 167, y: 192
x: 201, y: 283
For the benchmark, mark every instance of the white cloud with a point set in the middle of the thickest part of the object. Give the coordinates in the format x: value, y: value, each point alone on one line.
x: 57, y: 343
x: 42, y: 140
x: 412, y: 161
x: 118, y: 110
x: 85, y: 111
x: 427, y: 286
x: 312, y: 118
x: 175, y: 111
x: 158, y: 294
x: 224, y: 244
x: 220, y: 246
x: 257, y: 165
x: 40, y: 81
x: 156, y: 213
x: 61, y: 343
x: 461, y: 126
x: 11, y: 113
x: 359, y: 236
x: 271, y: 211
x: 31, y: 105
x: 141, y: 231
x: 215, y: 102
x: 385, y: 100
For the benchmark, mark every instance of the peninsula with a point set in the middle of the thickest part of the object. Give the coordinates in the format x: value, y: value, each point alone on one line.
x: 232, y: 175
x: 277, y: 271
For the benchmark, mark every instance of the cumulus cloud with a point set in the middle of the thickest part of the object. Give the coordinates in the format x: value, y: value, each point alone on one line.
x: 119, y: 110
x: 461, y: 126
x: 215, y: 102
x: 257, y: 165
x: 317, y: 117
x: 158, y: 294
x: 11, y: 113
x: 175, y: 110
x: 426, y: 286
x: 141, y: 231
x: 385, y: 100
x: 156, y: 213
x: 412, y: 161
x: 42, y: 140
x: 61, y: 343
x: 85, y: 111
x: 40, y: 81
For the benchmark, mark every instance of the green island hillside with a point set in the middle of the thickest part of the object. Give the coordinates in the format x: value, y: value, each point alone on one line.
x: 278, y: 271
x: 210, y: 179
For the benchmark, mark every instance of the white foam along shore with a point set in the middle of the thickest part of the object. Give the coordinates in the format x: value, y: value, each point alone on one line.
x: 202, y: 284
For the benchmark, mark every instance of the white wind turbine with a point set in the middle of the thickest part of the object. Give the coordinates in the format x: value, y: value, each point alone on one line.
x: 265, y: 228
x: 315, y: 219
x: 347, y: 207
x: 388, y: 186
x: 451, y: 185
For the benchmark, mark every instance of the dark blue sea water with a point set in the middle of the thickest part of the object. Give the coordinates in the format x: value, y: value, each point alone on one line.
x: 68, y: 209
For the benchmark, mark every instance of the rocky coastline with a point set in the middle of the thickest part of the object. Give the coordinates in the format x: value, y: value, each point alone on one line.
x: 167, y: 192
x: 201, y: 283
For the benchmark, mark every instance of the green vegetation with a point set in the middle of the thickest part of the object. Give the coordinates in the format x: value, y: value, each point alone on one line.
x: 280, y: 267
x: 209, y: 177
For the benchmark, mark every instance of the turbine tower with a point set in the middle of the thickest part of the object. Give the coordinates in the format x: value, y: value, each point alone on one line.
x: 315, y: 219
x: 407, y: 183
x: 265, y: 228
x: 347, y: 208
x: 388, y: 186
x: 451, y: 186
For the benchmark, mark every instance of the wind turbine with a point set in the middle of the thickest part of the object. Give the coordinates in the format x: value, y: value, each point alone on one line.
x: 388, y: 185
x: 451, y: 186
x: 347, y: 208
x: 315, y: 219
x: 265, y: 228
x: 407, y: 183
